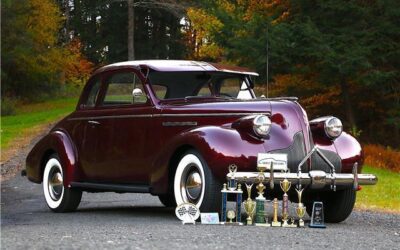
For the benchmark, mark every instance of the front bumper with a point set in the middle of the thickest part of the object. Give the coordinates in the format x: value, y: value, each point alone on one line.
x: 314, y: 179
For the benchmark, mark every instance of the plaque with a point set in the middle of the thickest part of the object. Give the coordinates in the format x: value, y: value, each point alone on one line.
x: 187, y: 213
x: 317, y: 217
x: 209, y: 218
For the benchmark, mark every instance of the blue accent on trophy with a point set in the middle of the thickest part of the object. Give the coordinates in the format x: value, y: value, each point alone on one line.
x: 235, y: 189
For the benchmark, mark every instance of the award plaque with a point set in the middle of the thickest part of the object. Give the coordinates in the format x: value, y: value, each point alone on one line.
x: 249, y: 205
x: 235, y: 189
x: 317, y: 217
x: 275, y: 222
x: 285, y: 186
x: 187, y: 213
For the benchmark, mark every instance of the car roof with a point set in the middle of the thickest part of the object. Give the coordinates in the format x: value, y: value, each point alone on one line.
x: 178, y: 65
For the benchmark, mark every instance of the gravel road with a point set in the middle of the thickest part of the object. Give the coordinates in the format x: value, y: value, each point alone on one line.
x: 137, y: 221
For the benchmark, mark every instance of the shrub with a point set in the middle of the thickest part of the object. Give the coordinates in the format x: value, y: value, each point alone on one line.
x: 8, y: 106
x: 382, y: 157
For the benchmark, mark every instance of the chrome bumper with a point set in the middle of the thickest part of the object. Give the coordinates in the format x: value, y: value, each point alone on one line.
x: 315, y: 179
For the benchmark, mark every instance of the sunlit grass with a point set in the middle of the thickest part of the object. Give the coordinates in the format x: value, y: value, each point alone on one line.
x: 29, y: 117
x: 384, y: 196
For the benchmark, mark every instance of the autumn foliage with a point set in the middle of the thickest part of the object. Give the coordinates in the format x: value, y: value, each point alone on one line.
x: 382, y: 157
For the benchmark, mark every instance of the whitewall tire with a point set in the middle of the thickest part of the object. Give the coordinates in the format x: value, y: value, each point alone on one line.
x: 194, y: 183
x: 58, y: 198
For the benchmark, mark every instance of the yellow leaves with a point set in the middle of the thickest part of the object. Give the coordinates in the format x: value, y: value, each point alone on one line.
x: 43, y: 21
x: 202, y: 25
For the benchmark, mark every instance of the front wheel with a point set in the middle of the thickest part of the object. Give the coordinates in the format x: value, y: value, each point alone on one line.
x: 58, y: 198
x: 194, y: 183
x: 337, y: 205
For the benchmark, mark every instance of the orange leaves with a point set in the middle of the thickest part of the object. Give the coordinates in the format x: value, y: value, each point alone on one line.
x: 77, y: 66
x: 379, y: 156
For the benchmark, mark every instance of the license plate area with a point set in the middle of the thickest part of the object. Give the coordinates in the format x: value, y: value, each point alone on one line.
x: 279, y: 161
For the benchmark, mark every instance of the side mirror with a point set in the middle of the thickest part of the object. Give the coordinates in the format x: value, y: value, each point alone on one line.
x: 137, y: 93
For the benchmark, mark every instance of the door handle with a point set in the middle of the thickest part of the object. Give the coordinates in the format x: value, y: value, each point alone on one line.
x: 93, y: 122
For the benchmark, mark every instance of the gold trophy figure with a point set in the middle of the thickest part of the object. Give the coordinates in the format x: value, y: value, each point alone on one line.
x: 300, y: 209
x: 285, y: 186
x: 275, y: 222
x: 249, y: 205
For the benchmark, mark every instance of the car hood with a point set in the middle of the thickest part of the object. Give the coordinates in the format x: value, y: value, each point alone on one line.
x: 218, y: 106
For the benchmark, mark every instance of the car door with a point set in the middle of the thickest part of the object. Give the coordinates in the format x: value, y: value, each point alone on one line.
x: 117, y: 130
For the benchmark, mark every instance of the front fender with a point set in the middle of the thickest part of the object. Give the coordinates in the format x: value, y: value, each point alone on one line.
x: 54, y: 142
x: 219, y: 146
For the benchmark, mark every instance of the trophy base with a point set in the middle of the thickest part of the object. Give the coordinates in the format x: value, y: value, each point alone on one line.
x: 232, y: 223
x: 276, y: 224
x: 262, y: 224
x: 317, y: 226
x: 301, y: 223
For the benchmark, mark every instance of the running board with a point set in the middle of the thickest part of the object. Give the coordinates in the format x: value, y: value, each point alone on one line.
x: 111, y: 187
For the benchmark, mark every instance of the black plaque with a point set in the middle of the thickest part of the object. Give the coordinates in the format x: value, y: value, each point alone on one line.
x: 317, y: 217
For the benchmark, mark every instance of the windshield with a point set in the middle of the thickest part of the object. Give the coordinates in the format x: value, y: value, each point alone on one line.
x: 175, y: 85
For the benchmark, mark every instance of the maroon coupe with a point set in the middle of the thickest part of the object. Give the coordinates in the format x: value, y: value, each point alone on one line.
x: 172, y: 128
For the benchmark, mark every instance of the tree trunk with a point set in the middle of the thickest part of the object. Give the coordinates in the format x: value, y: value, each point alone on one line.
x: 347, y: 104
x: 131, y: 30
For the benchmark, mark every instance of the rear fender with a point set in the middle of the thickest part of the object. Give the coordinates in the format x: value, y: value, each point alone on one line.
x: 54, y: 142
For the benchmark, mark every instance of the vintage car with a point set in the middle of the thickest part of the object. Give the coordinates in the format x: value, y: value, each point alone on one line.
x: 172, y: 128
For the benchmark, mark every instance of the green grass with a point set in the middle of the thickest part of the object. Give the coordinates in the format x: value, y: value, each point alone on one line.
x: 31, y: 116
x: 385, y: 195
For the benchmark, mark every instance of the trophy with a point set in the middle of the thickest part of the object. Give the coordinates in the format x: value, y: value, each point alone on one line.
x: 301, y: 209
x: 285, y: 186
x: 275, y: 222
x: 232, y: 188
x: 249, y: 205
x: 260, y: 201
x: 317, y: 217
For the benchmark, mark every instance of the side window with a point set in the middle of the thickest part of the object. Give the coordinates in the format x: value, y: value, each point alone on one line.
x: 124, y: 89
x: 93, y: 93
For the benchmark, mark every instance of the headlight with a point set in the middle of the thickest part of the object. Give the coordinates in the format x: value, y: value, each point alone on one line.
x: 261, y: 125
x: 333, y: 127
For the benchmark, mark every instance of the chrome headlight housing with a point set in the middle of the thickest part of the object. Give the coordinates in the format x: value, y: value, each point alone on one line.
x: 333, y: 127
x: 261, y: 125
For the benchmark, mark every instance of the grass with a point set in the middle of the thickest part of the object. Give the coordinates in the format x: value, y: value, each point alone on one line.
x: 30, y: 117
x: 385, y: 195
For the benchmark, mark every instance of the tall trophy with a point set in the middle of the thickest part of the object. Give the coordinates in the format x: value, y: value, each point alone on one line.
x: 249, y: 205
x: 260, y: 201
x: 275, y: 222
x: 300, y: 209
x: 285, y: 186
x: 232, y: 188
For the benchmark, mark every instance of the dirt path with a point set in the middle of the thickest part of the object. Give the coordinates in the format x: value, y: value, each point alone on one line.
x: 13, y: 159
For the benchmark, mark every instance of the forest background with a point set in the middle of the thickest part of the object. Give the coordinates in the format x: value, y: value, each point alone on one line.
x: 339, y: 57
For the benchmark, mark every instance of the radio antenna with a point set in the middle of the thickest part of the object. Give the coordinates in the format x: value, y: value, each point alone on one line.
x: 267, y: 62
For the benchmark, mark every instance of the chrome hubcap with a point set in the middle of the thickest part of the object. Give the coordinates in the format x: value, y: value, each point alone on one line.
x: 191, y: 185
x: 55, y: 184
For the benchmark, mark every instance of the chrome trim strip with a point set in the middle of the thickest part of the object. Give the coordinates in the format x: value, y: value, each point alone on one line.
x: 163, y: 115
x: 108, y: 117
x: 176, y: 124
x: 208, y: 114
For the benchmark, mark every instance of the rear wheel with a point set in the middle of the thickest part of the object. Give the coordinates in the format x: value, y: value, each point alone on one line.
x: 194, y: 183
x: 167, y: 200
x: 58, y: 198
x: 337, y: 205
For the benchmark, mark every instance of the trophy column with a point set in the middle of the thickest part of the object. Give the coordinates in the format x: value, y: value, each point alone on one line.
x: 285, y: 185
